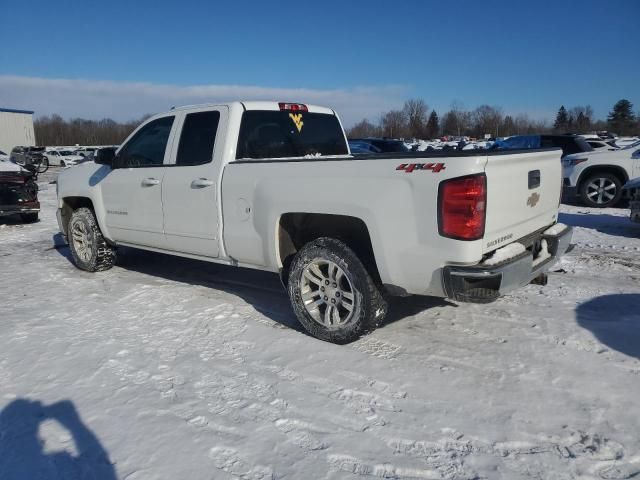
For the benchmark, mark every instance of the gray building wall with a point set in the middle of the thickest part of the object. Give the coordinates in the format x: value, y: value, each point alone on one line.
x: 16, y: 129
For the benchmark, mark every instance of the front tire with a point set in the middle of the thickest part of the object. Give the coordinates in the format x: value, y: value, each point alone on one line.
x: 601, y: 190
x: 332, y: 293
x: 89, y: 249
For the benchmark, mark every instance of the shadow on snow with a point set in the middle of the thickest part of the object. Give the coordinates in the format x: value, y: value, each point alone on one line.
x: 263, y: 290
x: 22, y: 449
x: 614, y: 320
x: 603, y: 223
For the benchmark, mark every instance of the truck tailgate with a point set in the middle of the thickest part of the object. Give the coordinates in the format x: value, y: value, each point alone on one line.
x: 523, y: 193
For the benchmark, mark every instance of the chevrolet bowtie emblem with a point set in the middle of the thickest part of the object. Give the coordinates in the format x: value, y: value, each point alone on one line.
x: 533, y: 200
x: 297, y: 120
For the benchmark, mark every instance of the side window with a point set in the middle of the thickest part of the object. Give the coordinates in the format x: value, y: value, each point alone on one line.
x: 198, y: 138
x: 147, y: 147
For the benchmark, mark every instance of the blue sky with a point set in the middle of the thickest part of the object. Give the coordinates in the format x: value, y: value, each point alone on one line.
x: 123, y: 59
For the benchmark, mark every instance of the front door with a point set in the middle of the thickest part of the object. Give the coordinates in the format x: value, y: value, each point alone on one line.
x: 189, y: 192
x: 132, y: 190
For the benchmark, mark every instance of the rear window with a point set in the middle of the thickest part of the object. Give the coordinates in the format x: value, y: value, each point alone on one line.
x: 283, y: 134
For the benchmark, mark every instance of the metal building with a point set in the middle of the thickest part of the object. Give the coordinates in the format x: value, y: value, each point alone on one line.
x: 16, y: 129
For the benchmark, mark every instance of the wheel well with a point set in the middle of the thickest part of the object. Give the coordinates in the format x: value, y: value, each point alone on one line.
x: 614, y: 170
x: 297, y: 229
x: 69, y: 204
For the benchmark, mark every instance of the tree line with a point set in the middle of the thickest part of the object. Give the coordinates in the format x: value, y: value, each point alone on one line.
x: 416, y: 120
x: 55, y: 130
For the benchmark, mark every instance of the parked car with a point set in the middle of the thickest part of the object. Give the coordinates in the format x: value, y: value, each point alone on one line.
x: 632, y: 187
x: 596, y: 178
x: 357, y: 146
x: 18, y: 191
x: 62, y: 158
x: 602, y: 144
x: 568, y: 143
x: 384, y: 145
x: 30, y: 156
x: 272, y: 186
x: 623, y: 142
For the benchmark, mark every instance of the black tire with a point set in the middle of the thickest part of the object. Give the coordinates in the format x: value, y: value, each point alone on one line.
x: 43, y: 165
x: 100, y: 255
x: 591, y: 197
x: 369, y: 306
x: 29, y: 217
x: 62, y: 164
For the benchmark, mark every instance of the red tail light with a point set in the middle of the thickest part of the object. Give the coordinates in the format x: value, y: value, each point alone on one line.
x: 294, y: 107
x: 462, y: 206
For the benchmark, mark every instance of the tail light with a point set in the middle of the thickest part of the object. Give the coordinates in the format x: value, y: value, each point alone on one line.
x: 293, y: 107
x: 462, y: 206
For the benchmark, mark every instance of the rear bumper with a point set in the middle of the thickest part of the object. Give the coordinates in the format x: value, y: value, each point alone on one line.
x: 31, y: 207
x: 481, y: 283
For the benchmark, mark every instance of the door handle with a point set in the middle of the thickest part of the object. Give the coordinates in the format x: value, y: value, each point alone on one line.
x: 150, y: 182
x: 201, y: 183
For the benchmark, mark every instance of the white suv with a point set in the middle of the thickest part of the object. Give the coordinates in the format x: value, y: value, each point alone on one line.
x: 597, y: 177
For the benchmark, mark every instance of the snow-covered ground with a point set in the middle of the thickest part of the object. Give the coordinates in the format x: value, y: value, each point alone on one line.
x: 166, y: 368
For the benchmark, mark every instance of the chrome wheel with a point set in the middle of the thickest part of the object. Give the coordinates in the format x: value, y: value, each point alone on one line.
x: 601, y: 190
x: 81, y: 240
x: 327, y: 293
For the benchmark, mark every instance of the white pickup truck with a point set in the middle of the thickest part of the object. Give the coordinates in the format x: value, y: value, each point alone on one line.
x: 273, y: 186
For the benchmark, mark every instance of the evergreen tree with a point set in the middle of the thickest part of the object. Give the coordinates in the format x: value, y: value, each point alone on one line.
x: 621, y: 119
x: 433, y: 126
x: 562, y: 120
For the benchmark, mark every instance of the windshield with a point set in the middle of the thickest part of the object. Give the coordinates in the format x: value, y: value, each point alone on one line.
x: 285, y: 134
x: 65, y: 153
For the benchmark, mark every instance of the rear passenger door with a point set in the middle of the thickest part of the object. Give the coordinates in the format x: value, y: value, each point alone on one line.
x: 190, y: 187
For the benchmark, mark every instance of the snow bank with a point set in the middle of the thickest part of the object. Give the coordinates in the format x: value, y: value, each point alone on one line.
x: 505, y: 253
x: 556, y: 229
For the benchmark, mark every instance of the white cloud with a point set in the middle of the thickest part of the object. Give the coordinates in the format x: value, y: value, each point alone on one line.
x: 96, y: 99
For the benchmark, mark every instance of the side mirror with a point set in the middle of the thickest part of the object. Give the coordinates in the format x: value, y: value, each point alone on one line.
x: 105, y: 156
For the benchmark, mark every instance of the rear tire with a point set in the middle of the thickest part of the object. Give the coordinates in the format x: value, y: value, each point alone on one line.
x: 332, y: 293
x: 89, y: 249
x: 601, y: 190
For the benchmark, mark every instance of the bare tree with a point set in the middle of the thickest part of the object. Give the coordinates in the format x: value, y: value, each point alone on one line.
x: 394, y: 124
x: 364, y: 128
x: 54, y: 130
x: 415, y: 110
x: 487, y: 119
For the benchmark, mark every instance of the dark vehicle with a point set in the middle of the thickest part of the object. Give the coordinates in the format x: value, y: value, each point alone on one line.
x: 358, y: 146
x: 383, y: 145
x: 19, y: 192
x: 25, y: 156
x: 568, y: 143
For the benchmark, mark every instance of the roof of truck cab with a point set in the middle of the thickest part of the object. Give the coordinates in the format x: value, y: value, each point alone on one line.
x: 256, y: 105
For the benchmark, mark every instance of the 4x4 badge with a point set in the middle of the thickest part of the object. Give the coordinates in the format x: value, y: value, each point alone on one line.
x: 533, y: 200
